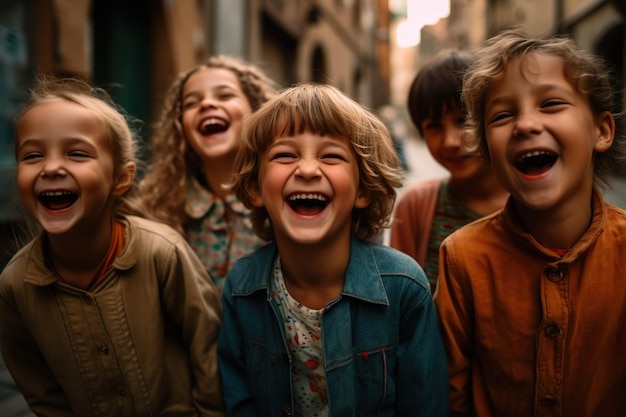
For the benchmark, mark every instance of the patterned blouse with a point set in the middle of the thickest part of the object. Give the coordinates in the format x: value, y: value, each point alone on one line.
x: 304, y: 339
x: 220, y: 231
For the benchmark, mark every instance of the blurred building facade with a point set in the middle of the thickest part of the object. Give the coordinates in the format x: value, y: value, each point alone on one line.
x: 135, y: 48
x: 598, y: 26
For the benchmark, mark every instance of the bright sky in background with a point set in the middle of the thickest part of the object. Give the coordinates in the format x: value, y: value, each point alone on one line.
x: 419, y: 13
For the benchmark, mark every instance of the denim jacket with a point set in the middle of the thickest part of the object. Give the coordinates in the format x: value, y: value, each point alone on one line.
x: 383, y: 354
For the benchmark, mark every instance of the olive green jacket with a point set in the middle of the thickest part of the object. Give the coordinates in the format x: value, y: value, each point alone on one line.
x: 141, y: 342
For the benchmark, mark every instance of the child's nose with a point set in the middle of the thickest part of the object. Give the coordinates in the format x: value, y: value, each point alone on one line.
x: 452, y: 136
x: 526, y: 124
x: 53, y: 167
x: 208, y: 102
x: 308, y: 168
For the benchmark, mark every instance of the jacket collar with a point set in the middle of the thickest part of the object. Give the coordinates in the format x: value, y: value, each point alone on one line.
x: 363, y: 279
x: 38, y: 273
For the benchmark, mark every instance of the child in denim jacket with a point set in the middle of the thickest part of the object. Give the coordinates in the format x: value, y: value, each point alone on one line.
x: 321, y: 321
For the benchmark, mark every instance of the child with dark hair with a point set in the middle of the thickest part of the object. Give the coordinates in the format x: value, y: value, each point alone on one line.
x: 429, y: 211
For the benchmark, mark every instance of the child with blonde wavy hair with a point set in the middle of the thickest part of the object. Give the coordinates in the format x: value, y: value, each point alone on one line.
x: 322, y: 321
x: 193, y: 151
x: 104, y: 312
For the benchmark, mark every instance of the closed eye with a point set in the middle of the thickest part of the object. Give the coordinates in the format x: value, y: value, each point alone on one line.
x: 79, y: 155
x: 31, y: 156
x: 283, y: 157
x: 553, y: 104
x: 500, y: 117
x: 333, y: 158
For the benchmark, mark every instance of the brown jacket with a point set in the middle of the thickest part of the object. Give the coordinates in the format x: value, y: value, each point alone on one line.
x: 529, y: 333
x: 142, y: 342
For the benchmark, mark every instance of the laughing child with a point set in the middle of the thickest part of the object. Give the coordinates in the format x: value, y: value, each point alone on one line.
x: 321, y: 321
x: 104, y: 313
x: 531, y: 300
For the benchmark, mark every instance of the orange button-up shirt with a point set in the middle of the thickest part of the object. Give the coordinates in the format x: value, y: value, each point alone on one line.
x: 529, y: 333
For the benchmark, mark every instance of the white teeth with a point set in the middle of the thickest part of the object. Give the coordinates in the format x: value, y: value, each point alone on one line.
x: 211, y: 121
x: 56, y: 193
x: 533, y: 153
x: 311, y: 196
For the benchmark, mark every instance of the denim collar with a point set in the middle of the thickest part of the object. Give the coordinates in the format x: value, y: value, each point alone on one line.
x: 363, y: 279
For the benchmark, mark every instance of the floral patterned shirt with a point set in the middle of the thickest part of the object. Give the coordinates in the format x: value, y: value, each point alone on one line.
x: 220, y: 231
x: 304, y: 339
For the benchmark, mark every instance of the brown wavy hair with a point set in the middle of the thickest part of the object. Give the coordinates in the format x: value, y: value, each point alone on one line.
x: 587, y: 72
x: 324, y: 110
x: 173, y: 163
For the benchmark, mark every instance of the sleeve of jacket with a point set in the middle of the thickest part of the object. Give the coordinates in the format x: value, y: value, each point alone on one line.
x: 24, y: 360
x: 237, y: 394
x: 412, y: 220
x: 192, y: 302
x: 453, y: 304
x: 423, y: 380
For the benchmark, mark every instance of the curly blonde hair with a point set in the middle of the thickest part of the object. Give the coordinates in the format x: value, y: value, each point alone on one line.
x: 123, y: 139
x: 163, y: 187
x: 587, y: 72
x: 324, y: 110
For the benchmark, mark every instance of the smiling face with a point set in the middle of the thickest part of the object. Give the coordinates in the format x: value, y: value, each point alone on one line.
x: 213, y: 106
x: 65, y: 167
x: 542, y: 135
x: 443, y: 138
x: 309, y: 185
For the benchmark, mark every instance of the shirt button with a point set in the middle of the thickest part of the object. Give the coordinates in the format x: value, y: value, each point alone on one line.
x: 555, y: 274
x: 104, y: 349
x: 548, y: 401
x: 87, y: 299
x: 552, y: 330
x: 121, y: 391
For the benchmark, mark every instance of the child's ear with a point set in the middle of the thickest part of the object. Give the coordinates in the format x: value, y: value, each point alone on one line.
x: 362, y: 200
x: 606, y: 132
x: 125, y: 179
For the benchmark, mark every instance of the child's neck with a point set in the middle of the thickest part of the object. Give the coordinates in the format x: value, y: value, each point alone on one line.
x: 218, y: 173
x: 76, y: 256
x: 314, y: 276
x: 557, y: 229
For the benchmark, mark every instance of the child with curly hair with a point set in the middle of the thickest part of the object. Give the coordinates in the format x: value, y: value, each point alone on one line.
x: 193, y: 150
x: 531, y: 299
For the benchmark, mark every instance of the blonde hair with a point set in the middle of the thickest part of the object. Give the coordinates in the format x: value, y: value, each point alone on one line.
x: 324, y: 110
x: 586, y: 72
x: 123, y: 141
x: 173, y: 162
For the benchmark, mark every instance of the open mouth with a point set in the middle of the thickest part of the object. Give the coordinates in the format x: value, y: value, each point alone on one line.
x: 57, y: 200
x: 212, y: 125
x: 535, y: 162
x: 308, y: 204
